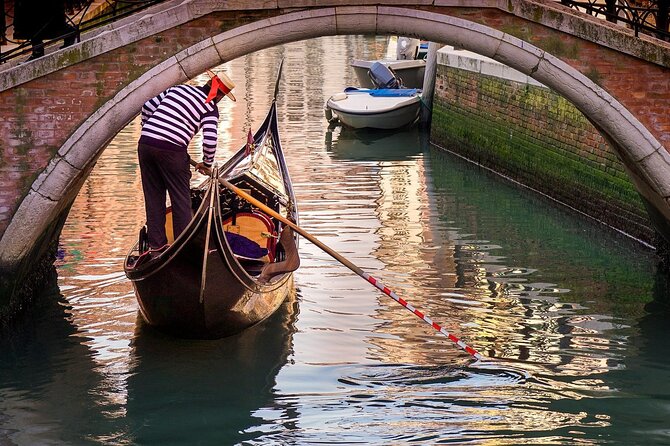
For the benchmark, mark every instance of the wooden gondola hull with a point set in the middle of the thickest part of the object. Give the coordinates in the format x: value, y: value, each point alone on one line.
x: 222, y: 313
x: 174, y: 299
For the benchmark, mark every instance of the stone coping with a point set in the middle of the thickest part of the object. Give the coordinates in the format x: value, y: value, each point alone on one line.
x: 469, y: 61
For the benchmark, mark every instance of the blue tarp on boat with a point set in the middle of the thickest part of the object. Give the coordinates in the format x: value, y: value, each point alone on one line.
x: 394, y: 92
x: 384, y: 92
x: 244, y: 247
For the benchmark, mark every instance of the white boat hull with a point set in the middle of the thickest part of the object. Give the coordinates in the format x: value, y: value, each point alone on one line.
x: 361, y: 110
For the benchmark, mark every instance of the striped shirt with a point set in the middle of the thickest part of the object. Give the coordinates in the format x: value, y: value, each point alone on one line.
x: 171, y: 119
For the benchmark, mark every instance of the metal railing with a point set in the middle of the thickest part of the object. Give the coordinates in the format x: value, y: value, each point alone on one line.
x: 650, y: 17
x: 77, y: 20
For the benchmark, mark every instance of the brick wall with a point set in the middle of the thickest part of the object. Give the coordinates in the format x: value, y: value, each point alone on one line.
x: 539, y: 139
x: 41, y: 114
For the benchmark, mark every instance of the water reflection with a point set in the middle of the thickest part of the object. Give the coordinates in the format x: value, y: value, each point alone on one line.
x: 49, y: 379
x: 345, y: 143
x: 509, y: 309
x: 178, y: 387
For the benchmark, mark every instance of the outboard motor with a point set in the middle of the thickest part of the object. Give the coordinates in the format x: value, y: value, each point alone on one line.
x: 383, y: 76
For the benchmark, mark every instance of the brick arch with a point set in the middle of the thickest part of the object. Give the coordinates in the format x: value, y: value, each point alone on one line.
x: 55, y: 188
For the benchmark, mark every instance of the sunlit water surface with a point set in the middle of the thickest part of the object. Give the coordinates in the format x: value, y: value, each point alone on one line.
x: 557, y: 301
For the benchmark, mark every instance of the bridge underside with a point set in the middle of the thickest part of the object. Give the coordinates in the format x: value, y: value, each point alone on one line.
x: 36, y: 220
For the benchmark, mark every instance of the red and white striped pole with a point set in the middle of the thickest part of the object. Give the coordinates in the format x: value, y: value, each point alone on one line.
x: 474, y: 353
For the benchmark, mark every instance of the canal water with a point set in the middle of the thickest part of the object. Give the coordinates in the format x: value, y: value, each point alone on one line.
x: 559, y: 305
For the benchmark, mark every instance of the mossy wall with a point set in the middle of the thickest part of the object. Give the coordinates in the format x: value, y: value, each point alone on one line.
x: 538, y: 138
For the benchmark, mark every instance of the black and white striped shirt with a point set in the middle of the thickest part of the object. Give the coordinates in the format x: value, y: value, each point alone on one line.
x: 171, y: 119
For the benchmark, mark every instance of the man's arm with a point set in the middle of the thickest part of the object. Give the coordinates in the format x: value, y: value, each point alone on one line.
x: 209, y: 139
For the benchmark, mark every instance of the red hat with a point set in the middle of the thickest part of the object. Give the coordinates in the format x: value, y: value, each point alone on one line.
x: 220, y: 82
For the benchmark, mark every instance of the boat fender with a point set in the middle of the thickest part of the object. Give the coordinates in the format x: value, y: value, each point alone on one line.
x: 329, y: 113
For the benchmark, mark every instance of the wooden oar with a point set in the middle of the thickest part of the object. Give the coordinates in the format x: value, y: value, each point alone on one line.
x: 334, y: 254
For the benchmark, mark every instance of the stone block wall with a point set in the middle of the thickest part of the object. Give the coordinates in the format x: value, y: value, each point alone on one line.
x: 534, y: 136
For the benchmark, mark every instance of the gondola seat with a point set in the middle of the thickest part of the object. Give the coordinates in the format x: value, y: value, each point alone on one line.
x: 249, y: 234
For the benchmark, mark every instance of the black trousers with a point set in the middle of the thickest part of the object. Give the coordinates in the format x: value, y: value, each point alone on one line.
x: 165, y: 171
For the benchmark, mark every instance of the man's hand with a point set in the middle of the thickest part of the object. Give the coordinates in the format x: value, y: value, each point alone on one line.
x: 200, y: 167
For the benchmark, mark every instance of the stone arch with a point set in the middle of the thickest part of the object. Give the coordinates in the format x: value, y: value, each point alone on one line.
x: 646, y: 159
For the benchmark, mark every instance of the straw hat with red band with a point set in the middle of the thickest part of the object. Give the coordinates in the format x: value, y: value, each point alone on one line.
x: 222, y: 83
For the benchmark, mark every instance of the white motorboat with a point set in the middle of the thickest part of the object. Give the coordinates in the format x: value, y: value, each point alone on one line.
x: 388, y: 106
x: 375, y: 108
x: 409, y: 48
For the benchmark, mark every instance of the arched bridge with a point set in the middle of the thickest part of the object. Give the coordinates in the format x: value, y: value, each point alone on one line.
x: 61, y: 110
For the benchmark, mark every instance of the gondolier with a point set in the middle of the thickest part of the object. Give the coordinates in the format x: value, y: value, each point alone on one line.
x: 169, y: 122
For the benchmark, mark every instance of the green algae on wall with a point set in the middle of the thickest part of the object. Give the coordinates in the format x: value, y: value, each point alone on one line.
x: 538, y: 138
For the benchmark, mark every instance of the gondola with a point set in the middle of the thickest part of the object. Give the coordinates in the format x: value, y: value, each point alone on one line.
x: 232, y: 265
